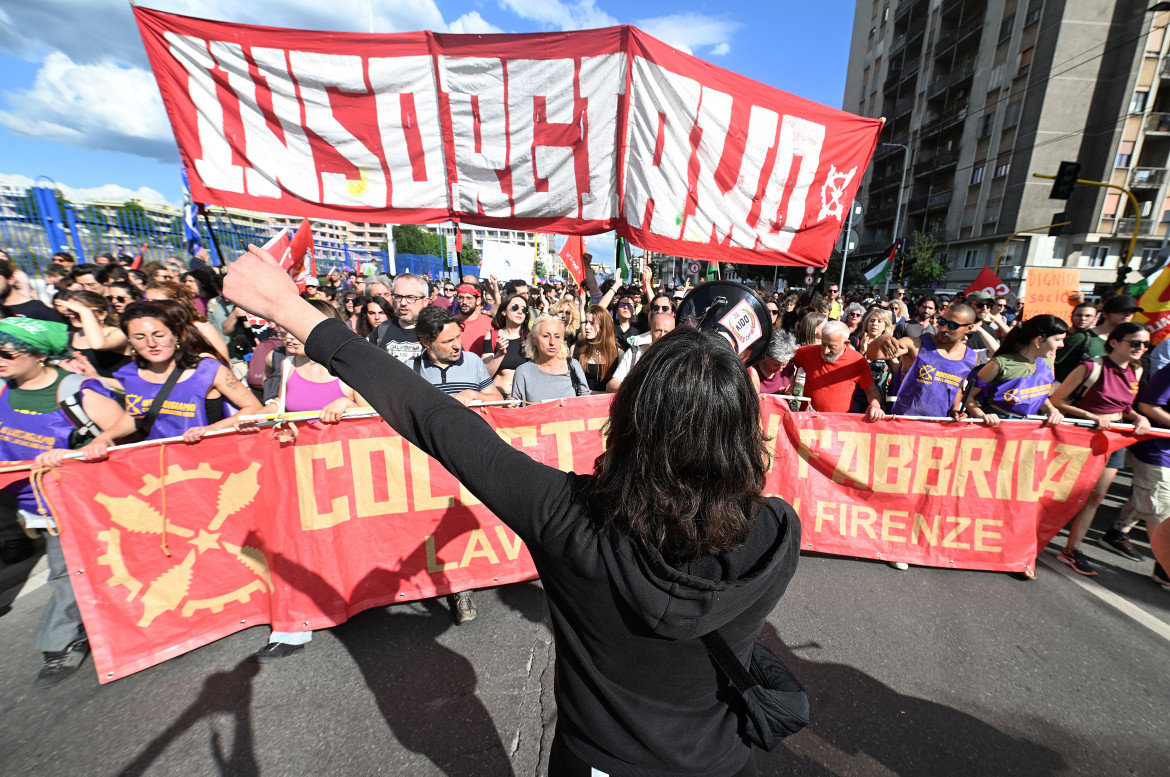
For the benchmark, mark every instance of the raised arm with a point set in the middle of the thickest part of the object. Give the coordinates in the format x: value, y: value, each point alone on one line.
x: 437, y: 424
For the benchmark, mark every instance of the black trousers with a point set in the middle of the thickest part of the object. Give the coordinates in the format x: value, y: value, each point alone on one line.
x: 563, y: 763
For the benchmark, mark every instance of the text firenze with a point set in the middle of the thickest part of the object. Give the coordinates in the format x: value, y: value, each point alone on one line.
x: 526, y: 139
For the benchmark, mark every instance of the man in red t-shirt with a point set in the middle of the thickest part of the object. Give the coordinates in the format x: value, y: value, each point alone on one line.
x: 469, y: 311
x: 833, y: 370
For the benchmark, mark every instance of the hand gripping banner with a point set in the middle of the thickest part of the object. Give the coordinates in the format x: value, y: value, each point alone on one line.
x: 573, y: 133
x: 172, y: 547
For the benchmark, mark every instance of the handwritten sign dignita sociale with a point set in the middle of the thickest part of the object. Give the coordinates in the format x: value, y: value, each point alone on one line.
x: 1048, y: 290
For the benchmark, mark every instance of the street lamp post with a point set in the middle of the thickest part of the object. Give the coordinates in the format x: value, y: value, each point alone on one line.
x: 898, y: 211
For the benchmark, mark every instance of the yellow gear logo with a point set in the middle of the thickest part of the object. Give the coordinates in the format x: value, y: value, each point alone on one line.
x: 135, y: 516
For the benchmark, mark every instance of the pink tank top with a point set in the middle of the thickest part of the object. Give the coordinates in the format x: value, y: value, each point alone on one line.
x: 302, y: 394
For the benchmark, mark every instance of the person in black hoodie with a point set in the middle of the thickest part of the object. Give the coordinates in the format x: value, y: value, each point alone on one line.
x: 668, y: 539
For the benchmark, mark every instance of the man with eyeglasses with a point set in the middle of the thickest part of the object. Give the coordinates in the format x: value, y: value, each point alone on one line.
x: 469, y: 311
x: 934, y: 366
x: 409, y: 297
x: 834, y: 302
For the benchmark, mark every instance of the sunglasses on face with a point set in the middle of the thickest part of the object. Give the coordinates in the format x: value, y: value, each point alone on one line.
x: 951, y: 325
x: 627, y: 305
x: 660, y: 308
x: 115, y: 298
x: 1137, y: 345
x: 8, y: 355
x: 518, y: 308
x: 774, y: 312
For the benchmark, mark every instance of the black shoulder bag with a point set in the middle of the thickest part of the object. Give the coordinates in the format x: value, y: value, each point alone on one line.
x: 774, y: 703
x: 156, y: 405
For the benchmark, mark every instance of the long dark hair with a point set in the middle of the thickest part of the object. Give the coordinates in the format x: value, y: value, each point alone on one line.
x: 1122, y: 331
x: 193, y: 347
x: 686, y: 456
x: 363, y: 323
x: 1020, y: 337
x: 500, y: 319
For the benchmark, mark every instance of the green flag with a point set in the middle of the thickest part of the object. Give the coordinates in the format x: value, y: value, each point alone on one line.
x: 877, y: 274
x: 623, y: 262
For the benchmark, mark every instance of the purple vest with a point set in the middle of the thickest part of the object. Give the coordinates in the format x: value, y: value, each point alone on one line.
x: 23, y: 436
x: 1022, y: 396
x: 184, y: 408
x: 930, y: 386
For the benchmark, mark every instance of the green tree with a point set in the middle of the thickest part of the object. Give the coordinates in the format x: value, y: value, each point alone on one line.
x: 924, y: 265
x: 133, y: 206
x: 469, y: 256
x: 412, y: 239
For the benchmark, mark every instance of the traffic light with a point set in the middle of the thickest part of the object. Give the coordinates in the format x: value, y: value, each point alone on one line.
x: 1057, y: 218
x: 1066, y: 179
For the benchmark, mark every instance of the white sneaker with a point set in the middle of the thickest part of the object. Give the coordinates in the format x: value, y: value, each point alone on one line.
x: 901, y: 566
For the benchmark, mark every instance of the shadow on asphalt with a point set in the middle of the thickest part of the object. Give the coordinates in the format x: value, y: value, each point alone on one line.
x: 859, y: 723
x: 424, y: 690
x: 223, y: 693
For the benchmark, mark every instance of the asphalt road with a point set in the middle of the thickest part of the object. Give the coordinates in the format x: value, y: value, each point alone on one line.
x: 920, y: 673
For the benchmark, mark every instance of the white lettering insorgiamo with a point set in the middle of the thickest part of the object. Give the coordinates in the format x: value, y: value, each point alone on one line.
x: 412, y: 137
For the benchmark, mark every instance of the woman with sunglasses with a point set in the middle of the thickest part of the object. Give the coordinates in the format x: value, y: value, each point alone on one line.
x: 121, y: 293
x: 852, y: 315
x: 1103, y: 390
x: 170, y: 290
x: 163, y: 342
x: 596, y: 350
x: 350, y: 311
x: 624, y: 328
x: 505, y: 343
x: 99, y: 347
x: 375, y: 311
x: 774, y: 313
x: 37, y: 428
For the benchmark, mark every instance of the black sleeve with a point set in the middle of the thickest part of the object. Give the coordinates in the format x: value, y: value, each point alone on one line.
x: 532, y: 498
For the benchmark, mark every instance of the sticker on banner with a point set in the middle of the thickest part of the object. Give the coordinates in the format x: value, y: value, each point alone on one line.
x: 743, y: 324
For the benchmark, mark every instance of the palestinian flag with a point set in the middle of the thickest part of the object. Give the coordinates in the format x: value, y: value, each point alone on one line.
x: 623, y: 261
x: 877, y: 274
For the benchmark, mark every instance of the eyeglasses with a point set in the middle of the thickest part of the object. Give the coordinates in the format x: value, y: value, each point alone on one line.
x: 951, y: 325
x: 855, y: 314
x: 660, y: 308
x: 1137, y: 345
x: 8, y: 356
x: 448, y: 288
x: 408, y: 298
x: 517, y: 308
x: 774, y: 312
x: 116, y: 298
x: 628, y: 305
x: 978, y: 304
x: 834, y: 291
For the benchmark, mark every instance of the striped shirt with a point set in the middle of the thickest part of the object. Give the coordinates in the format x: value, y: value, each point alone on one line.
x: 467, y: 373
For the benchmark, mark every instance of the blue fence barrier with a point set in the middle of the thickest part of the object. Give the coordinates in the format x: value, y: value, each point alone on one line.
x: 35, y: 224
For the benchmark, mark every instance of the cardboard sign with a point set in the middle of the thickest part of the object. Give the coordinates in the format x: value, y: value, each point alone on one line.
x: 741, y: 321
x: 1048, y: 291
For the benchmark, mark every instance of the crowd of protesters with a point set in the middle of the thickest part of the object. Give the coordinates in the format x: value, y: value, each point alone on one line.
x: 159, y: 352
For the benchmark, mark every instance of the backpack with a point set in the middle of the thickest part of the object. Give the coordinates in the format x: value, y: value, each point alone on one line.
x: 69, y: 400
x: 260, y: 353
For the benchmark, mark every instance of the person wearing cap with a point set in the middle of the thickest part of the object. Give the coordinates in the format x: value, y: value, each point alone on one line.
x: 33, y: 425
x: 312, y: 286
x: 469, y: 311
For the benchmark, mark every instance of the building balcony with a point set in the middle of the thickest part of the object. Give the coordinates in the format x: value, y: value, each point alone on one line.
x: 1126, y: 226
x: 941, y: 123
x: 940, y: 199
x: 1165, y: 70
x: 1158, y: 124
x: 1147, y: 177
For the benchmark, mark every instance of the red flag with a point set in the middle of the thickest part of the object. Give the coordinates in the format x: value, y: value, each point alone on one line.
x: 571, y: 256
x: 987, y: 281
x: 458, y: 240
x: 289, y: 252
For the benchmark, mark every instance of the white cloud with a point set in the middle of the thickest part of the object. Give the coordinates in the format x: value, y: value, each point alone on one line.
x: 101, y: 105
x: 581, y: 15
x: 107, y: 193
x: 692, y: 32
x: 473, y: 24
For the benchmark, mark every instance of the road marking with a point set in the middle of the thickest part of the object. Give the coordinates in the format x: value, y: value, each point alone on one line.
x: 37, y: 577
x: 1118, y: 603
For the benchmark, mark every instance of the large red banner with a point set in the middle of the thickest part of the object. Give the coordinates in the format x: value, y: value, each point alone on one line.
x: 175, y: 546
x: 573, y: 133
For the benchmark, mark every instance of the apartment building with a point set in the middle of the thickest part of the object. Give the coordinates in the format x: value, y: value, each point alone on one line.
x: 980, y: 94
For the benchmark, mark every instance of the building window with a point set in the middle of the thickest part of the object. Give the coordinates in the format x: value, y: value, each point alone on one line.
x: 1124, y: 154
x: 885, y: 13
x: 1002, y: 166
x: 972, y: 258
x: 1033, y: 15
x: 1011, y: 114
x: 985, y: 122
x: 1005, y: 27
x: 1098, y: 256
x: 977, y: 175
x: 991, y: 212
x: 1154, y: 40
x: 995, y: 80
x: 968, y: 216
x: 1025, y: 61
x: 1137, y: 103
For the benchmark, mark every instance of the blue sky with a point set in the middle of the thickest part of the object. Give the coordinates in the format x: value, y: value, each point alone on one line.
x: 78, y: 104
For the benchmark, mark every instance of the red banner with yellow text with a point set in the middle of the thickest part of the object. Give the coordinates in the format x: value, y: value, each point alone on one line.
x: 576, y: 132
x: 172, y: 547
